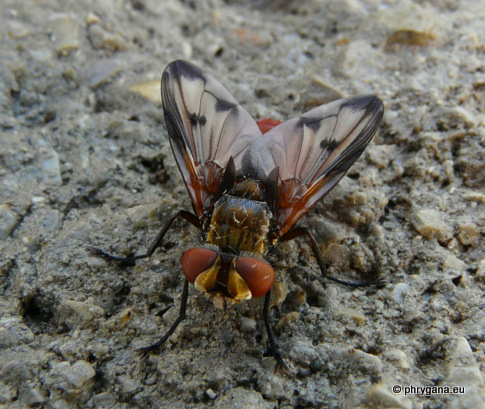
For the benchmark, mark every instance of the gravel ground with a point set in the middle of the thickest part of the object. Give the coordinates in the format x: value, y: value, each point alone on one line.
x: 85, y: 161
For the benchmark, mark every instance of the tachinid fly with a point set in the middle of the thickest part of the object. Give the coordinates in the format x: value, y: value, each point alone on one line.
x: 249, y: 190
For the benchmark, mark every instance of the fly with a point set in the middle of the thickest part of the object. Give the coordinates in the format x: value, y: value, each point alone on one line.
x: 250, y: 182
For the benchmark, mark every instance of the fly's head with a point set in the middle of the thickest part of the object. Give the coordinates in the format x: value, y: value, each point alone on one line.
x: 227, y: 278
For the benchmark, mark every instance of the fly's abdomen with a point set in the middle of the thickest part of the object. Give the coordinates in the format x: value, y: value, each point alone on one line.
x: 239, y: 224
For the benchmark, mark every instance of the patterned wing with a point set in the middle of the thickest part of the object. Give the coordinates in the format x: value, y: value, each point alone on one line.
x: 312, y: 153
x: 206, y: 126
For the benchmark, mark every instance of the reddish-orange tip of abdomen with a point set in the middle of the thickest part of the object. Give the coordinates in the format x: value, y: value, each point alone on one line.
x: 267, y: 124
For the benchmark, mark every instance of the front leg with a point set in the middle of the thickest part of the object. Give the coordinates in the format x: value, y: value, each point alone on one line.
x: 190, y: 217
x: 183, y: 307
x: 301, y: 231
x: 280, y: 363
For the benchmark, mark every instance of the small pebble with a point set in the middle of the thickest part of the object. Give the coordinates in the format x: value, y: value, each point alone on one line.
x: 429, y: 223
x: 454, y: 263
x: 8, y: 221
x: 148, y: 89
x: 382, y: 396
x: 78, y: 374
x: 64, y: 34
x: 211, y: 394
x: 247, y: 324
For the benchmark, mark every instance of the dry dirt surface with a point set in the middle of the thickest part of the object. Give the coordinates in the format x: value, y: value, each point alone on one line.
x: 85, y: 161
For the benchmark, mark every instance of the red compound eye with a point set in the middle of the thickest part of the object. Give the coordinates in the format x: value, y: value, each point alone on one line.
x: 196, y: 261
x: 258, y: 274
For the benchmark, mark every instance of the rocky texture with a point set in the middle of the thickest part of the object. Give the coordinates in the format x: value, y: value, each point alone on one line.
x: 85, y: 161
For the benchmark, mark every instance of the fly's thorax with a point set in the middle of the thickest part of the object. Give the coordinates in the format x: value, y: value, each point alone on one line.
x: 247, y: 189
x: 240, y: 225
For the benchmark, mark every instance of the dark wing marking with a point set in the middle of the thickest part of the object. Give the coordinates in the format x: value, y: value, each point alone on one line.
x: 313, y: 152
x: 206, y: 127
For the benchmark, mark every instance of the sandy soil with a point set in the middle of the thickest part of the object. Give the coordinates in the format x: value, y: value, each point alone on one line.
x: 85, y: 161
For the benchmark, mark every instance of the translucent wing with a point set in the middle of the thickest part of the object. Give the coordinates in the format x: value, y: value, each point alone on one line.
x: 312, y: 153
x: 206, y: 127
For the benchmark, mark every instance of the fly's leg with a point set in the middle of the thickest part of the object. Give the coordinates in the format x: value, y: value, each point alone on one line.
x: 300, y: 231
x: 280, y: 363
x: 183, y: 307
x: 190, y: 217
